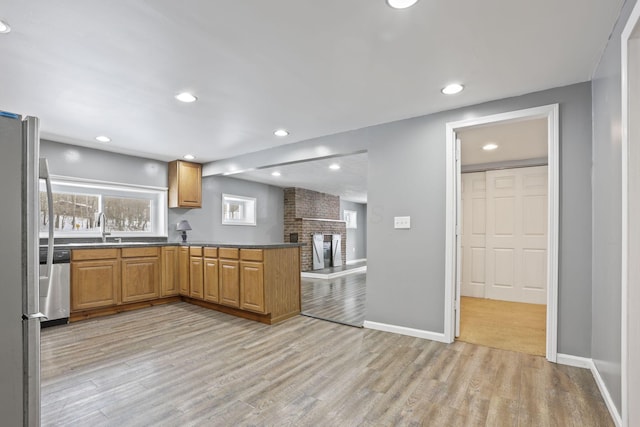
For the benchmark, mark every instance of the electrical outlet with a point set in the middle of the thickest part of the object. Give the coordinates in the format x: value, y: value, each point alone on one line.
x: 402, y: 222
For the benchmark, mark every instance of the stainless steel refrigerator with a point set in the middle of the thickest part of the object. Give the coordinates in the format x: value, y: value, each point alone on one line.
x: 20, y: 171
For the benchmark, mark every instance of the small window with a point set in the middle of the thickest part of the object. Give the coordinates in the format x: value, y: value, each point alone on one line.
x: 129, y: 210
x: 238, y: 210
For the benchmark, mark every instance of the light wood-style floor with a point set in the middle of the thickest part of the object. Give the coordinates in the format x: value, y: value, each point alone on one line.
x: 339, y: 300
x: 504, y: 324
x: 183, y: 365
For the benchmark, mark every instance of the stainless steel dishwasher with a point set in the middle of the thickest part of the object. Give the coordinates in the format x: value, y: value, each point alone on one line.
x: 55, y: 294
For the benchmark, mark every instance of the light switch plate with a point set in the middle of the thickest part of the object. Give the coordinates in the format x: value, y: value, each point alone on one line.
x: 402, y: 222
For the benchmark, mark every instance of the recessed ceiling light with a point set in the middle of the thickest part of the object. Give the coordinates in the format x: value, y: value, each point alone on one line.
x: 103, y: 138
x: 452, y: 89
x: 281, y: 132
x: 401, y: 4
x: 276, y: 173
x: 4, y: 27
x: 490, y: 146
x: 189, y: 157
x: 186, y: 97
x: 334, y: 166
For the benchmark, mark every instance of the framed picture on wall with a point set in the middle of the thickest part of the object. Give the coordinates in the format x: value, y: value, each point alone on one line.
x: 238, y: 210
x: 351, y: 218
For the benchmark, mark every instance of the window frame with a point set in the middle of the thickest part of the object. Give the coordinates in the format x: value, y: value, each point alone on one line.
x: 158, y: 213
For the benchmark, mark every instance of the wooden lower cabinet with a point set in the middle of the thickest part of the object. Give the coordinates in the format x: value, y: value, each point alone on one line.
x: 94, y: 283
x: 183, y: 270
x: 140, y: 279
x: 140, y: 269
x: 252, y: 286
x: 211, y: 291
x: 258, y: 284
x: 169, y: 279
x: 230, y: 283
x: 196, y: 278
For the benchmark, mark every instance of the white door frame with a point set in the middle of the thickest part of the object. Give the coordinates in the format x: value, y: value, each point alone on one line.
x: 451, y: 311
x: 629, y: 173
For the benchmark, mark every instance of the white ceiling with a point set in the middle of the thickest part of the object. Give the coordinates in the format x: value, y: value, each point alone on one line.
x: 93, y: 67
x: 516, y: 141
x: 520, y: 140
x: 349, y: 182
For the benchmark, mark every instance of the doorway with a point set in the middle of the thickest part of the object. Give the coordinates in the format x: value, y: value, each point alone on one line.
x: 454, y: 220
x: 503, y: 255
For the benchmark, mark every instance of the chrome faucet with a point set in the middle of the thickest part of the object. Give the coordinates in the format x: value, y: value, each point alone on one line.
x: 102, y: 223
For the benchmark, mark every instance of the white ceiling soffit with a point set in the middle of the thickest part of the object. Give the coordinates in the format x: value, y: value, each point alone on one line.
x: 349, y: 182
x: 522, y: 140
x: 89, y: 68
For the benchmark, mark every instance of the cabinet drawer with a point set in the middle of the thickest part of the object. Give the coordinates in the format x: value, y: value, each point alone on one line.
x: 139, y: 252
x: 86, y: 254
x: 195, y: 250
x: 251, y: 254
x: 211, y: 252
x: 230, y: 253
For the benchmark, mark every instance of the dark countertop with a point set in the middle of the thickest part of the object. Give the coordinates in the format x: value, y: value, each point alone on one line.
x: 116, y: 245
x: 243, y: 246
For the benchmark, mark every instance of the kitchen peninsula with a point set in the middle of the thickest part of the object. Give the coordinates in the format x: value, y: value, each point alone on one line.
x: 259, y: 282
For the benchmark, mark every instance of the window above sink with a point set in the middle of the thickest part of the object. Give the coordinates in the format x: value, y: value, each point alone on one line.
x: 131, y: 211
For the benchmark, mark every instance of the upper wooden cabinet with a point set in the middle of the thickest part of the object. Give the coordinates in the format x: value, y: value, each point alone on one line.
x: 185, y: 184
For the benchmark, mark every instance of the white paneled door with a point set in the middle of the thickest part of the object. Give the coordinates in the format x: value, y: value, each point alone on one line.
x: 505, y: 247
x: 473, y: 234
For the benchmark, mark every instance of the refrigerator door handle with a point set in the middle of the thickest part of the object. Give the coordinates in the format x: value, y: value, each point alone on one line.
x: 34, y: 316
x: 45, y: 281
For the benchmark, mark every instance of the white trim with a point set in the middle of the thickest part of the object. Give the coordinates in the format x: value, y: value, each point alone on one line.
x: 551, y: 113
x: 576, y: 361
x: 604, y: 391
x: 356, y: 261
x: 586, y: 363
x: 631, y: 24
x: 418, y: 333
x: 312, y: 275
x: 105, y: 183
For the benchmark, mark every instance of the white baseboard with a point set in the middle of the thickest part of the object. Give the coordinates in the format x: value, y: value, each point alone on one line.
x: 355, y: 261
x: 418, y: 333
x: 312, y: 275
x: 584, y: 362
x: 577, y: 361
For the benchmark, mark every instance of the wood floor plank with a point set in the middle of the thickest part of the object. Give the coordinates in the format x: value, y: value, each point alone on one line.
x: 504, y: 324
x: 341, y: 300
x: 182, y: 365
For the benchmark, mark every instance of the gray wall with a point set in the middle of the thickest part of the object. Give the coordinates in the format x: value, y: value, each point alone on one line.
x: 607, y: 212
x: 405, y: 278
x: 356, y: 238
x: 88, y: 163
x: 406, y: 176
x: 207, y: 222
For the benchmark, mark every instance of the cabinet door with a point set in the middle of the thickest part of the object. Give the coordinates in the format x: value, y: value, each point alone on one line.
x: 94, y: 284
x: 140, y: 279
x: 169, y: 281
x: 183, y: 270
x: 230, y: 283
x: 252, y: 286
x: 185, y: 184
x: 196, y: 280
x: 211, y: 280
